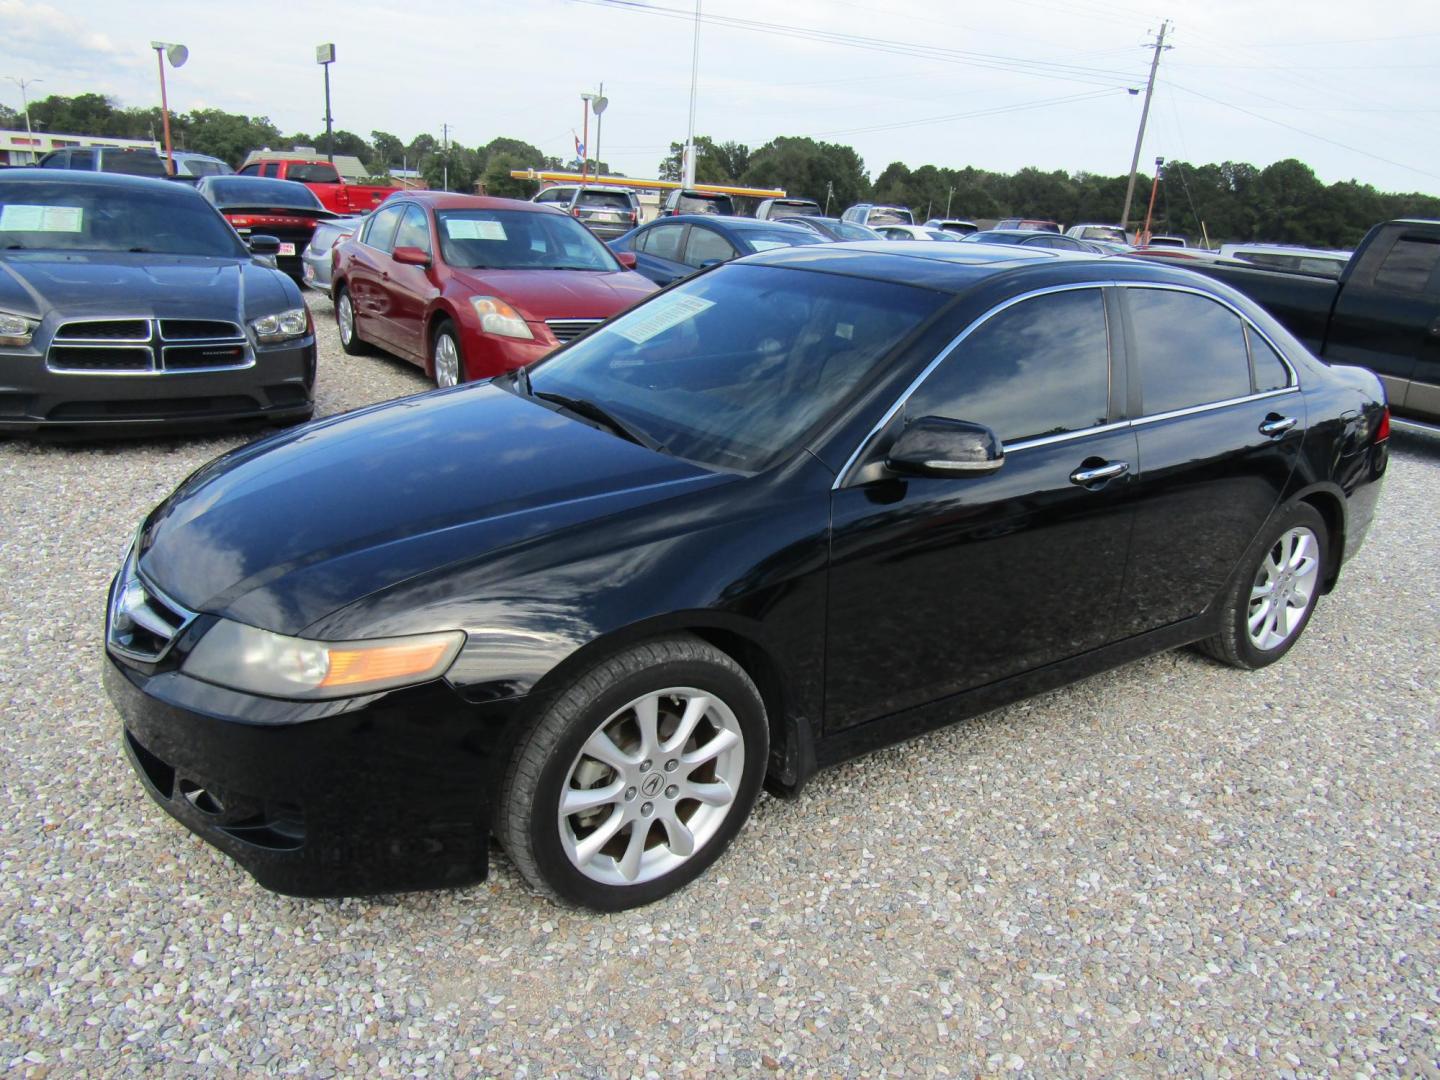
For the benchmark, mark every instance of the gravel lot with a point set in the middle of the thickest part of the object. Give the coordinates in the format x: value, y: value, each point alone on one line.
x: 1175, y: 868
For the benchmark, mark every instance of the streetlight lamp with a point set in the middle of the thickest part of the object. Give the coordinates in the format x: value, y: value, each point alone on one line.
x: 25, y: 105
x: 325, y: 56
x: 178, y: 54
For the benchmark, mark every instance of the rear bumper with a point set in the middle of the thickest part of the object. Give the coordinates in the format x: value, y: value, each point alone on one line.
x: 278, y: 386
x: 385, y: 794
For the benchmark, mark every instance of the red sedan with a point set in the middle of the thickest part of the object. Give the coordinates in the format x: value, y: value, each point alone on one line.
x: 472, y: 287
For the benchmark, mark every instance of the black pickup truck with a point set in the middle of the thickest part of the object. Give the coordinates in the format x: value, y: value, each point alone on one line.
x: 1383, y: 313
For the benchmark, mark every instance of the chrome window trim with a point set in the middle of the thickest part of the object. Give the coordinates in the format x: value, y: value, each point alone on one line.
x: 1070, y: 436
x: 955, y: 343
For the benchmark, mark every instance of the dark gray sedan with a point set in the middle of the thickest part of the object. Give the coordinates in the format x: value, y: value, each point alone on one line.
x: 129, y: 303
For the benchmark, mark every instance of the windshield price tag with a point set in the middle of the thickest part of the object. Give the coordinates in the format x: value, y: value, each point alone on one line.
x: 471, y: 229
x: 18, y: 217
x: 659, y: 316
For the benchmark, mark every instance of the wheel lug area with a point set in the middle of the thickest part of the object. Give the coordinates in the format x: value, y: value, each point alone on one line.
x: 671, y: 791
x: 672, y: 765
x: 630, y: 793
x: 646, y: 765
x: 647, y: 809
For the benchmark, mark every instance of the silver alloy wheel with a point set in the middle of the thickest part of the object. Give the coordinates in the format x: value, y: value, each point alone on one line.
x: 651, y: 786
x: 1284, y: 588
x: 345, y: 312
x: 447, y: 361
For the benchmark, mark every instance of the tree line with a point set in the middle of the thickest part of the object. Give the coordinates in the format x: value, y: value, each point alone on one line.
x: 1283, y: 202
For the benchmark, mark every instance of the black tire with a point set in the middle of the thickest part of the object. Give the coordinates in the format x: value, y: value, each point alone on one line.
x: 355, y: 346
x: 1234, y: 644
x: 540, y: 771
x: 446, y: 329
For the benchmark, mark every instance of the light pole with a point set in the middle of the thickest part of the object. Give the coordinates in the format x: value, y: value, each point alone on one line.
x: 948, y: 197
x: 325, y: 56
x: 687, y: 159
x: 597, y: 106
x: 585, y: 100
x: 25, y: 107
x: 178, y: 54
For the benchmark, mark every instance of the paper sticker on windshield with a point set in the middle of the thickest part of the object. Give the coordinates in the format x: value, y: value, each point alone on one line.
x: 18, y: 217
x: 659, y: 316
x: 470, y: 229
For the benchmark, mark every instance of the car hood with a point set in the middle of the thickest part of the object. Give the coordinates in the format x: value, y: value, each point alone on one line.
x: 80, y: 284
x: 287, y: 530
x: 560, y: 294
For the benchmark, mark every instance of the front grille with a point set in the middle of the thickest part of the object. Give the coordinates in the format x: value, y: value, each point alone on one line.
x: 143, y: 623
x: 569, y: 329
x: 105, y: 330
x: 154, y: 408
x: 101, y: 358
x: 192, y: 329
x: 142, y: 346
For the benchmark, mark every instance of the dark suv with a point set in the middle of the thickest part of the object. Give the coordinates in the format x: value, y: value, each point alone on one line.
x: 684, y: 201
x: 128, y: 160
x: 607, y: 212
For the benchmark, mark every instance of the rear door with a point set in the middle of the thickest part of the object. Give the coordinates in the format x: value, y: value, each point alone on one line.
x: 659, y: 253
x: 1219, y: 434
x: 1386, y: 317
x: 942, y: 584
x: 706, y: 247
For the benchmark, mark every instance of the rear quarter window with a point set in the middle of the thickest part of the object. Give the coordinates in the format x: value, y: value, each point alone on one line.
x: 1409, y: 264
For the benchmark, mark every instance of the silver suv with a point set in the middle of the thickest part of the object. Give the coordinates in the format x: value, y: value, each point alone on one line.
x: 607, y: 212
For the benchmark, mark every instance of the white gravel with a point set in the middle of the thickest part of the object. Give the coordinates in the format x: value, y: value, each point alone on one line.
x: 1173, y: 869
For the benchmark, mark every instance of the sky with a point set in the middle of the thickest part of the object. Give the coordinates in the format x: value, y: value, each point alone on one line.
x: 998, y: 85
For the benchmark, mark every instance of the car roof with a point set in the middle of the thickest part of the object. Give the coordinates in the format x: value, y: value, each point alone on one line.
x: 84, y: 177
x: 730, y: 221
x: 957, y: 268
x: 449, y: 200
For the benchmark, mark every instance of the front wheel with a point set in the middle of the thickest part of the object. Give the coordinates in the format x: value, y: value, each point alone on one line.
x: 447, y: 361
x: 345, y: 323
x: 1272, y: 596
x: 636, y: 777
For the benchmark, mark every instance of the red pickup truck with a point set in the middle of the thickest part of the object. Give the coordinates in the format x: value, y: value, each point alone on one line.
x: 321, y: 178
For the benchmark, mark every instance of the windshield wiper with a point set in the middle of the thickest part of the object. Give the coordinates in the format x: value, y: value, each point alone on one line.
x: 591, y: 411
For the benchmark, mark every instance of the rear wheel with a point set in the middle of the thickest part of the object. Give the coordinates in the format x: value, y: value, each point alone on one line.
x: 636, y: 777
x: 345, y: 323
x: 447, y: 362
x: 1272, y: 596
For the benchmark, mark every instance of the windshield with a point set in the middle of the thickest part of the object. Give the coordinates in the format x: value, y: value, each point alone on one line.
x: 786, y: 236
x: 730, y: 368
x: 519, y: 240
x: 201, y: 167
x: 847, y: 231
x: 890, y: 215
x: 132, y: 162
x: 234, y: 191
x: 1103, y: 232
x: 95, y: 217
x: 609, y: 200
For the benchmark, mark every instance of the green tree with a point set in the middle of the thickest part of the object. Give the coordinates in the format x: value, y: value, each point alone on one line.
x: 527, y: 156
x: 498, y: 181
x: 386, y: 153
x: 803, y: 167
x: 711, y: 165
x: 228, y: 136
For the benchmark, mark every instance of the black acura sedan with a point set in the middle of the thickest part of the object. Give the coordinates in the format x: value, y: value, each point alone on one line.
x: 805, y: 504
x: 128, y: 303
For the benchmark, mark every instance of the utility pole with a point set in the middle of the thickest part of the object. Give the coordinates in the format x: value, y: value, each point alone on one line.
x: 687, y: 157
x: 1159, y: 46
x: 1144, y: 236
x: 445, y: 156
x: 25, y: 106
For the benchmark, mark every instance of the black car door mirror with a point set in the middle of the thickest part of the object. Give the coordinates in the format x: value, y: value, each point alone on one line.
x: 937, y: 446
x: 261, y: 244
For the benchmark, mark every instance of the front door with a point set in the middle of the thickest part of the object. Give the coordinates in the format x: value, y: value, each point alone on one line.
x: 943, y: 584
x: 411, y: 288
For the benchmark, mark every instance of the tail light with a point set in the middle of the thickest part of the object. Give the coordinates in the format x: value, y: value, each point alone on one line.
x: 1382, y: 429
x: 575, y: 212
x: 634, y: 218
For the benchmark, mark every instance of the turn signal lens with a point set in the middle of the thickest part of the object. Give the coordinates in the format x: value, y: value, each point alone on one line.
x: 498, y: 317
x: 383, y: 663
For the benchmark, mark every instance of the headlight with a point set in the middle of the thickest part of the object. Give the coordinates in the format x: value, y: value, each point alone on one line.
x: 245, y: 658
x: 498, y: 317
x: 282, y: 327
x: 16, y: 330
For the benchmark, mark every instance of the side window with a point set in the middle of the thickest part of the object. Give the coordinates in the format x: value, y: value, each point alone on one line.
x: 1192, y: 349
x: 1040, y: 367
x: 381, y: 231
x: 272, y: 169
x: 663, y: 242
x: 706, y: 245
x: 414, y: 230
x: 250, y: 170
x: 551, y: 195
x: 82, y: 159
x: 1409, y: 264
x: 1270, y: 371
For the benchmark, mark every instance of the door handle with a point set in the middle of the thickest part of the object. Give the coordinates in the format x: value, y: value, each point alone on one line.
x: 1434, y: 327
x: 1277, y: 425
x: 1099, y: 473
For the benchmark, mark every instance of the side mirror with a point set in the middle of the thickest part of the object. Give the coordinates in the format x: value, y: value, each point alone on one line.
x: 263, y: 244
x: 936, y: 446
x: 627, y: 259
x: 410, y: 256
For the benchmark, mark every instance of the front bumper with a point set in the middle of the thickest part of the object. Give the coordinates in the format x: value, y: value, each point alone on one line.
x: 277, y: 387
x: 388, y: 793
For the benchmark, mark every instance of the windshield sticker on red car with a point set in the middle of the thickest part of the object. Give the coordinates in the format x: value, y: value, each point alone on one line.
x: 19, y: 217
x: 659, y: 316
x: 471, y: 229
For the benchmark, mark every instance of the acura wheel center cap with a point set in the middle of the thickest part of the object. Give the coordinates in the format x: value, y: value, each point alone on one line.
x: 652, y: 784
